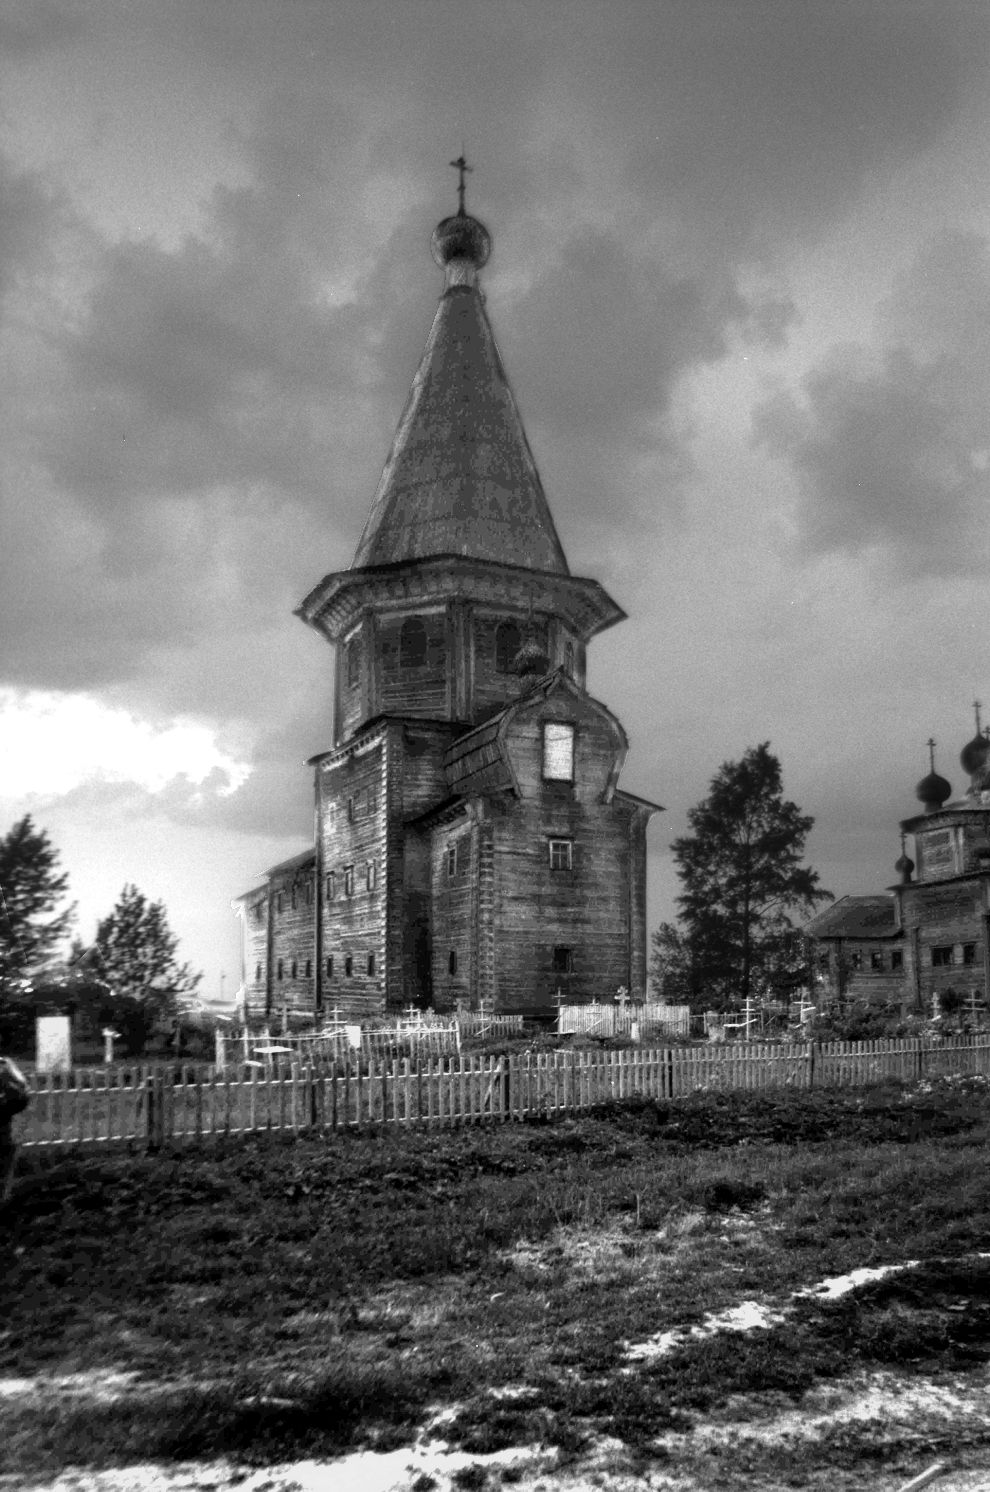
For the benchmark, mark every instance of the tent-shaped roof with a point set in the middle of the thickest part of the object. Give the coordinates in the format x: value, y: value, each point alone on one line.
x: 460, y: 477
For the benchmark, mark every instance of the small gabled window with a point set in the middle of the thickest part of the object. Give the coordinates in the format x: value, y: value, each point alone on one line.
x: 561, y: 854
x: 558, y: 752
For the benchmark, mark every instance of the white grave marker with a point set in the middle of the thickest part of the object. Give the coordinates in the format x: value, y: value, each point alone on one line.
x: 53, y: 1043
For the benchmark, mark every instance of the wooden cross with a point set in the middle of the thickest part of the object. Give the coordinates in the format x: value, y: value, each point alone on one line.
x: 931, y: 752
x: 461, y: 167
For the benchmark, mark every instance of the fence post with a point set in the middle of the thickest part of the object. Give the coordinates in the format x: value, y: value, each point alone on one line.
x: 812, y: 1047
x: 506, y: 1089
x: 154, y: 1094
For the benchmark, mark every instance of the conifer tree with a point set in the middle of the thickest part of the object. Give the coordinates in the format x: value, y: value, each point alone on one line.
x: 134, y: 951
x: 32, y: 921
x: 743, y: 883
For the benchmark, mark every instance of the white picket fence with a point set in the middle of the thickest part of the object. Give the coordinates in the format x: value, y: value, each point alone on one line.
x: 458, y: 1089
x: 649, y: 1018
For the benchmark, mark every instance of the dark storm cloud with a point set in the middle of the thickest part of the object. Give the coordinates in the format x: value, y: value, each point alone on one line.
x: 892, y: 449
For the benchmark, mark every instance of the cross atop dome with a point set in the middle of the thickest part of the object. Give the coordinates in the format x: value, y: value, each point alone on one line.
x: 462, y: 168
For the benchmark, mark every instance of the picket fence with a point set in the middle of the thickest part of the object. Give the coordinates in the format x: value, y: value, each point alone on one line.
x: 460, y: 1089
x: 649, y: 1018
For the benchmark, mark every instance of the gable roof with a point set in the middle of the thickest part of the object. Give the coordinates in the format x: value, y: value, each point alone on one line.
x: 460, y: 477
x: 856, y: 917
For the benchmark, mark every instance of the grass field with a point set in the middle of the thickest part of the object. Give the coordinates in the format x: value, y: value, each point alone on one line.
x: 273, y: 1298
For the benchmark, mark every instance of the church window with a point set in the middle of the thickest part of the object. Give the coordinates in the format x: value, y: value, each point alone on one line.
x: 295, y: 968
x: 452, y: 961
x: 942, y: 957
x: 412, y: 643
x: 558, y: 752
x: 281, y: 969
x: 348, y: 966
x: 331, y: 885
x: 371, y: 964
x: 332, y: 817
x: 969, y: 953
x: 897, y: 959
x: 856, y: 960
x: 309, y: 968
x: 279, y: 902
x: 257, y: 973
x: 350, y: 810
x: 561, y: 854
x: 563, y: 960
x: 452, y: 859
x: 876, y: 960
x: 330, y: 967
x: 348, y: 880
x: 371, y: 874
x: 508, y: 640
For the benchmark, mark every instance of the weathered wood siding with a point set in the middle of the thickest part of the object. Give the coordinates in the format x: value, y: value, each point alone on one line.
x: 353, y: 906
x: 423, y: 690
x: 292, y: 913
x: 453, y: 924
x: 587, y: 909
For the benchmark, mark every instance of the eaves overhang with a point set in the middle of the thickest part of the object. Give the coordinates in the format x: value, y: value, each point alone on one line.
x: 333, y: 606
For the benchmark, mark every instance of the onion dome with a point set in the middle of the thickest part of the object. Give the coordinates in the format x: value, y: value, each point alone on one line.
x: 933, y: 790
x: 976, y: 753
x: 461, y: 237
x: 904, y: 865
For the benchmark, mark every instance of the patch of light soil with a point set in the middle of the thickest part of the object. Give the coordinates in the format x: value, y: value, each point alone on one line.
x: 361, y: 1471
x: 752, y: 1315
x: 97, y: 1384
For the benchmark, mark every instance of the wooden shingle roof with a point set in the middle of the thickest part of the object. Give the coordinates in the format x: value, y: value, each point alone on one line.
x: 460, y: 478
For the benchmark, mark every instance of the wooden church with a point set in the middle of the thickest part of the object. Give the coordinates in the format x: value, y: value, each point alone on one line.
x: 472, y: 843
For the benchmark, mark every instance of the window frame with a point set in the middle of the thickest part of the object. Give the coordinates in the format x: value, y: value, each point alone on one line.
x: 504, y: 654
x: 942, y: 956
x: 566, y: 730
x: 555, y: 845
x: 876, y: 960
x: 348, y: 880
x: 370, y: 875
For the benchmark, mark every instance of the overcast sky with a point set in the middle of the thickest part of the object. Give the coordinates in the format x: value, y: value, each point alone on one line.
x: 741, y: 284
